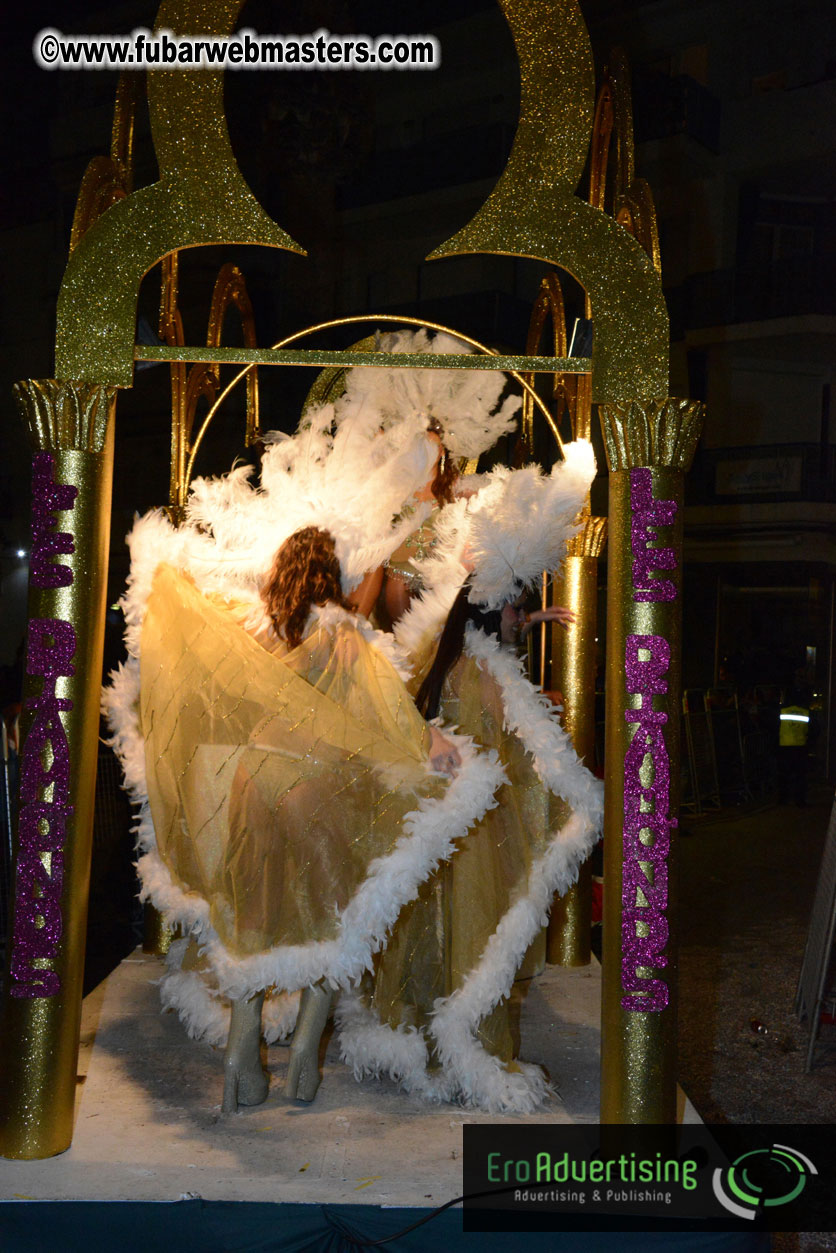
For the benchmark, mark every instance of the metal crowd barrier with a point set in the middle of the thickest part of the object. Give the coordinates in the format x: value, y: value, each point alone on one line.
x: 701, y: 787
x: 724, y: 719
x: 729, y: 756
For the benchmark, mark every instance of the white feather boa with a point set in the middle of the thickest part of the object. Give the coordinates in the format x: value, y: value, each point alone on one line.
x: 429, y: 836
x: 429, y: 832
x: 469, y: 1073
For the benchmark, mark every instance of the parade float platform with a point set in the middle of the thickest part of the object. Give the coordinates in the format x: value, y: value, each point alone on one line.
x: 149, y: 1129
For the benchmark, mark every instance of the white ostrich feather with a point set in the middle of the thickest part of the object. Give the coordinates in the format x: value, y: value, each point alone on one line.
x: 510, y: 530
x: 520, y: 523
x: 352, y: 482
x: 464, y: 402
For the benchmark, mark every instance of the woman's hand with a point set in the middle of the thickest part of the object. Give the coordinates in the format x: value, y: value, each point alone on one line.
x: 554, y: 613
x: 444, y: 755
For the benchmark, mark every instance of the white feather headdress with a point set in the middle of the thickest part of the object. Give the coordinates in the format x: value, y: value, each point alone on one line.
x: 463, y: 402
x: 351, y: 481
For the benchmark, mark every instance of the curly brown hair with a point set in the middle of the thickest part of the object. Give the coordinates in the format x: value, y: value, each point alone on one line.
x: 447, y: 470
x: 305, y: 572
x: 445, y: 478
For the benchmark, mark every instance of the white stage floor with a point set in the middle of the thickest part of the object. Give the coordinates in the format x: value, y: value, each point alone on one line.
x: 149, y: 1125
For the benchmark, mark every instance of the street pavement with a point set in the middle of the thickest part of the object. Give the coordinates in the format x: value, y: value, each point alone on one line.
x: 746, y: 886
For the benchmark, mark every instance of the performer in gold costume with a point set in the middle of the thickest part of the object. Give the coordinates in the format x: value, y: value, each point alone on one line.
x: 279, y: 773
x: 438, y: 1003
x: 291, y: 813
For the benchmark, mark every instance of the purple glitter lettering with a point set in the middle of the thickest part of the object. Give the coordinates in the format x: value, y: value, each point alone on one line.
x: 51, y: 647
x: 647, y: 512
x: 635, y: 881
x: 642, y: 952
x: 645, y: 950
x: 31, y: 982
x: 46, y: 729
x: 53, y: 820
x: 47, y: 498
x: 647, y: 676
x: 38, y: 924
x: 42, y: 889
x: 653, y: 998
x: 646, y: 830
x: 655, y: 825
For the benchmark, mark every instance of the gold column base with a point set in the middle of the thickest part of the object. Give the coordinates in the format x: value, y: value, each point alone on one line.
x: 156, y: 935
x: 570, y: 924
x: 573, y: 674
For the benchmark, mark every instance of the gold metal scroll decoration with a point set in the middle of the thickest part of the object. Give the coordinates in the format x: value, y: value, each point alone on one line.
x: 201, y: 198
x: 549, y: 303
x: 627, y: 198
x: 533, y: 211
x: 107, y: 180
x: 231, y: 289
x: 203, y: 380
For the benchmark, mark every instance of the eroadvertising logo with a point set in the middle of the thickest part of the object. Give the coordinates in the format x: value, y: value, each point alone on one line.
x: 768, y: 1177
x: 548, y: 1177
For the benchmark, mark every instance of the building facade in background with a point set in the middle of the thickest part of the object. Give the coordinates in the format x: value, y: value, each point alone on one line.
x: 734, y: 112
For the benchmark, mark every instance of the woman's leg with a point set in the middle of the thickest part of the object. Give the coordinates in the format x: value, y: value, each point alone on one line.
x: 303, y: 1071
x: 245, y: 1082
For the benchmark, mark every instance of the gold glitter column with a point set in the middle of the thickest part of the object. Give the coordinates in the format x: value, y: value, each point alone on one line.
x: 649, y: 448
x: 72, y: 429
x: 573, y: 674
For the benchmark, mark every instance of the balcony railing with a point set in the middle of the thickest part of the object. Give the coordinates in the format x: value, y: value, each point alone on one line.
x: 762, y: 472
x: 781, y: 289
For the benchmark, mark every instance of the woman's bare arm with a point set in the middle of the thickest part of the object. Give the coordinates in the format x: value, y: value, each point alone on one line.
x: 365, y: 595
x: 396, y: 596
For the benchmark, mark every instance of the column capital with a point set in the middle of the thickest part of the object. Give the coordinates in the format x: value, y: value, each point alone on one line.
x: 62, y: 415
x: 589, y: 541
x: 654, y: 433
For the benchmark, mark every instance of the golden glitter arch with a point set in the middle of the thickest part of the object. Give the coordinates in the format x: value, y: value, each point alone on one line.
x: 119, y: 234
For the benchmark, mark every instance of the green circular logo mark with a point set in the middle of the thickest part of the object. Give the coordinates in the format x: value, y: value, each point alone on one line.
x: 762, y: 1178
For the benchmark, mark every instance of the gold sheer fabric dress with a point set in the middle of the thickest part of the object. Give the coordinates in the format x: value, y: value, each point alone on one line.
x: 440, y: 938
x: 280, y: 782
x: 438, y: 1002
x: 299, y: 832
